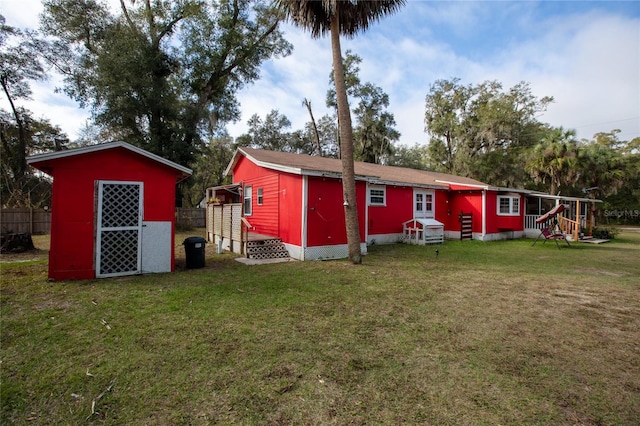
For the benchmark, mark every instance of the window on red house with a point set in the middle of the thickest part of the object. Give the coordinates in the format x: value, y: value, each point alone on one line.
x: 508, y: 205
x: 247, y: 200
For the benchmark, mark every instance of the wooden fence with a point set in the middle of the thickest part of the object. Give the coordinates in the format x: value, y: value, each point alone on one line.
x: 190, y: 218
x: 25, y: 221
x: 224, y: 225
x: 38, y: 221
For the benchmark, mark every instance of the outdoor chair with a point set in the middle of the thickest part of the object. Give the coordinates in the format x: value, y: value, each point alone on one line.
x: 551, y: 235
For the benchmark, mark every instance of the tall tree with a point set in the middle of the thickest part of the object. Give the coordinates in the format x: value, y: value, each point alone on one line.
x: 375, y: 134
x: 20, y: 63
x: 446, y: 114
x: 307, y: 103
x: 20, y: 188
x: 482, y: 131
x: 326, y: 131
x: 415, y: 157
x: 208, y: 169
x: 270, y: 133
x: 555, y: 159
x: 602, y: 167
x: 346, y: 18
x: 160, y: 74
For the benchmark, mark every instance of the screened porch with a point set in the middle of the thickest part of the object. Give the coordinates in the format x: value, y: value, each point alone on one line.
x: 578, y: 217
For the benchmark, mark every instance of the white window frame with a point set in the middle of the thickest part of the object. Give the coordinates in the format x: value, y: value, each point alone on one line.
x: 260, y: 196
x: 370, y: 196
x: 514, y: 205
x: 248, y: 197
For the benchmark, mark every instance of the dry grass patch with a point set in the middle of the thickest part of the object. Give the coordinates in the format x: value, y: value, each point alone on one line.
x: 487, y: 333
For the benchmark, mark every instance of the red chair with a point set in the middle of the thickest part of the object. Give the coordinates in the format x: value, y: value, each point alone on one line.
x: 549, y: 235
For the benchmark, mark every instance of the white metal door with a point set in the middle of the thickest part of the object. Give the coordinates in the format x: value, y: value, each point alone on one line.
x: 119, y: 228
x: 422, y: 204
x: 156, y: 247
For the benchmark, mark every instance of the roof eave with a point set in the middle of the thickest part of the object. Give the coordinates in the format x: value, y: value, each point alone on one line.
x: 48, y: 156
x: 563, y: 197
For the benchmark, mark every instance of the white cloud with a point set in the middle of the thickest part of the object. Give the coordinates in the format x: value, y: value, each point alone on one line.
x: 586, y: 58
x: 590, y: 64
x: 22, y: 14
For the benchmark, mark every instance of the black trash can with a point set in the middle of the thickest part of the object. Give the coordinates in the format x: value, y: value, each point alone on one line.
x: 194, y: 251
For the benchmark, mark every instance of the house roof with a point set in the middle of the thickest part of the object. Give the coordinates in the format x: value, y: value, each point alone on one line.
x: 40, y: 160
x: 374, y: 173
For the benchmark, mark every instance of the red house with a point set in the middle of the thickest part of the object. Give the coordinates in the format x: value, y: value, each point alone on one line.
x: 298, y: 198
x: 113, y: 211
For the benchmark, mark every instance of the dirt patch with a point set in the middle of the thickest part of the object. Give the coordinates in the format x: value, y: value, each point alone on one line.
x: 41, y: 252
x: 27, y: 256
x: 594, y: 271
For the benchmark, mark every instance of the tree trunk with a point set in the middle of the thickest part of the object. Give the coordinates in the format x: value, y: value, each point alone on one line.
x: 19, y: 167
x: 346, y: 147
x: 315, y: 128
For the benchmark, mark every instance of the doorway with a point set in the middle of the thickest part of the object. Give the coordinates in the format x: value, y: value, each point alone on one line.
x: 118, y: 228
x: 423, y: 204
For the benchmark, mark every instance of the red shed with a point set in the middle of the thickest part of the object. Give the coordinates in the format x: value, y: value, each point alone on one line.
x: 113, y: 211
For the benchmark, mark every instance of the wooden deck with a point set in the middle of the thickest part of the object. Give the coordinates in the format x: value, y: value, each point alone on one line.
x: 594, y: 240
x: 254, y: 236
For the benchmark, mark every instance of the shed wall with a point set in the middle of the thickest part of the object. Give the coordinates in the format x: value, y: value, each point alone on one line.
x: 72, y: 253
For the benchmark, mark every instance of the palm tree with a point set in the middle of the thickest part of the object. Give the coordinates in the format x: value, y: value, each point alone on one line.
x: 555, y: 158
x: 346, y: 18
x: 603, y: 171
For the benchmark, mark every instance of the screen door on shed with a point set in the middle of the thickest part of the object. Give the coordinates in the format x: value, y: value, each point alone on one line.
x: 119, y: 228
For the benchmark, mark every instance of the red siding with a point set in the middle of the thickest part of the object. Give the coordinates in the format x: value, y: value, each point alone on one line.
x: 280, y: 212
x: 325, y: 211
x: 361, y: 196
x: 467, y: 202
x: 388, y: 219
x: 264, y: 217
x: 290, y: 193
x: 72, y: 253
x: 443, y: 211
x: 497, y: 222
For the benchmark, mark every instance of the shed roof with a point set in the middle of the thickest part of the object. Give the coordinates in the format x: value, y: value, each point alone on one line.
x: 374, y: 173
x: 40, y: 160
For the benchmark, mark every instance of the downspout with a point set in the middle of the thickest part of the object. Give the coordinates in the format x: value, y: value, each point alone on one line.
x: 484, y: 214
x: 366, y: 215
x: 304, y: 218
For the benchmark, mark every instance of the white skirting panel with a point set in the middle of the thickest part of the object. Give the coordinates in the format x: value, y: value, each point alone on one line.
x: 227, y: 244
x: 385, y: 238
x: 507, y: 235
x: 340, y: 251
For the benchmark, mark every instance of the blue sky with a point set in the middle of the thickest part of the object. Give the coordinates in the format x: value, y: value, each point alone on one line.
x: 584, y: 54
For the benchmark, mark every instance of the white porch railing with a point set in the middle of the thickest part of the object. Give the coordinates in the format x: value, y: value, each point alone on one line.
x: 530, y: 221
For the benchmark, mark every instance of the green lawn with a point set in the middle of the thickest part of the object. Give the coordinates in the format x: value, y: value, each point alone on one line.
x: 484, y: 334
